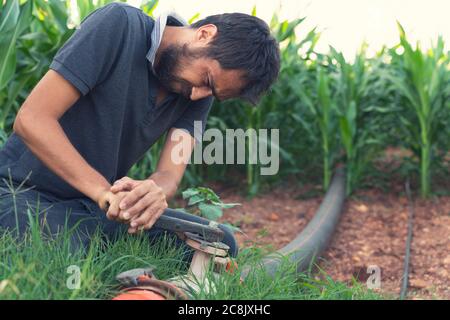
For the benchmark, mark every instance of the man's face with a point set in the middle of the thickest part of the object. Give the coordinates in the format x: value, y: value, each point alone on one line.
x: 190, y: 73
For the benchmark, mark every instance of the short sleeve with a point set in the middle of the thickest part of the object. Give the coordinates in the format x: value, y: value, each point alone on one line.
x: 194, y: 117
x: 88, y: 56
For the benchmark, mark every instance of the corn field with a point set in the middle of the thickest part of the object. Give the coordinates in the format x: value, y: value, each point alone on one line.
x: 330, y: 110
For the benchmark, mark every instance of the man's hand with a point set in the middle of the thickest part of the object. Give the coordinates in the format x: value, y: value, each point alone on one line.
x: 125, y: 184
x: 147, y: 199
x: 144, y: 203
x: 109, y: 202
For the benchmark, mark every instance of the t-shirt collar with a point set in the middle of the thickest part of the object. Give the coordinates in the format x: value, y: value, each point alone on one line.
x: 165, y: 19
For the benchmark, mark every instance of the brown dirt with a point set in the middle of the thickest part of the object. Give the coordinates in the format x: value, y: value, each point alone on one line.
x: 271, y: 219
x: 372, y: 230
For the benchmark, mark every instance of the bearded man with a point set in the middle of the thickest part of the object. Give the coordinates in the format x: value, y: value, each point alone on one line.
x: 119, y: 83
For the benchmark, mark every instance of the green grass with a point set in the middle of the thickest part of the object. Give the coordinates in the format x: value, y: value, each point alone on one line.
x: 36, y: 267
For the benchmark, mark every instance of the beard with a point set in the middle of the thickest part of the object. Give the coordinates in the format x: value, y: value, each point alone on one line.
x: 169, y: 65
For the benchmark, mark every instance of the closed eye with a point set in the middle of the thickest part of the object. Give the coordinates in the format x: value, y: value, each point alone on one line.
x: 210, y: 84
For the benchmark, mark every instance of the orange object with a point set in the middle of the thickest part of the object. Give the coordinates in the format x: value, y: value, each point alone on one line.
x: 143, y: 277
x: 274, y: 217
x: 152, y: 289
x: 139, y: 294
x: 231, y: 267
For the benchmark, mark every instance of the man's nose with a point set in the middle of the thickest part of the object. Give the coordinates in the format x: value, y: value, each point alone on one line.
x: 200, y: 92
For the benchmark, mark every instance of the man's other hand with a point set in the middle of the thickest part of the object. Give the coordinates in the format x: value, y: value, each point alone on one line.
x: 109, y: 202
x: 144, y: 204
x: 125, y: 184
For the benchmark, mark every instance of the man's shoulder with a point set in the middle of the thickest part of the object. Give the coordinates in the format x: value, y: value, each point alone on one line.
x: 133, y: 13
x: 122, y: 16
x: 122, y: 6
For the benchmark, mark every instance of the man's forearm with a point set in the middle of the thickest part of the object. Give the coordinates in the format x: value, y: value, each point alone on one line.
x: 48, y: 141
x: 167, y: 182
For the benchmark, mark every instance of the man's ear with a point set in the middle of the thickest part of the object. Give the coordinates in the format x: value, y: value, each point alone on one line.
x: 206, y: 33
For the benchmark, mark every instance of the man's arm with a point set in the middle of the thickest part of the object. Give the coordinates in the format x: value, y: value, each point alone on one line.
x: 173, y: 160
x: 38, y: 126
x: 169, y: 170
x: 147, y: 199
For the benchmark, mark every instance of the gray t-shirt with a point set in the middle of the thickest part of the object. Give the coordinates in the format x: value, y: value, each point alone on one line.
x: 116, y: 120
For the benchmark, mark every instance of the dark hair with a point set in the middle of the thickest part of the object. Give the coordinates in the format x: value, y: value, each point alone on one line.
x: 244, y: 42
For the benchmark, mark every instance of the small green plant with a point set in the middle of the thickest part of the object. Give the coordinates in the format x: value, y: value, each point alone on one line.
x: 206, y: 203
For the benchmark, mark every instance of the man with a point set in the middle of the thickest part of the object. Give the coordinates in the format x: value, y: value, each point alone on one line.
x: 119, y: 83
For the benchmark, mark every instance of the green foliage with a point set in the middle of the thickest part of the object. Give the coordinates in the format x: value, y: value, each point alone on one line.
x: 14, y: 20
x: 149, y: 6
x: 3, y: 137
x: 345, y: 107
x: 31, y: 32
x: 358, y: 112
x: 318, y: 101
x: 37, y: 268
x: 422, y: 80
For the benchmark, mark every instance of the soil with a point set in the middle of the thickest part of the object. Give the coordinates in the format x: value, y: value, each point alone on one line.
x: 372, y: 231
x: 272, y: 219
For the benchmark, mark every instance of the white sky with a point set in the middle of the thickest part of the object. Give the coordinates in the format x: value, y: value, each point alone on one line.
x: 345, y: 23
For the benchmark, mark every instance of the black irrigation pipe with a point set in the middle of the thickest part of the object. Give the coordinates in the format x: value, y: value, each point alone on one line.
x: 314, y: 238
x: 405, y: 278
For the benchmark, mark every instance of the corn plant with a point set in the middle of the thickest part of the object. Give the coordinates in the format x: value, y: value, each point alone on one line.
x: 14, y: 21
x: 267, y: 114
x: 422, y: 80
x: 30, y: 35
x: 358, y: 112
x: 319, y: 102
x: 31, y: 32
